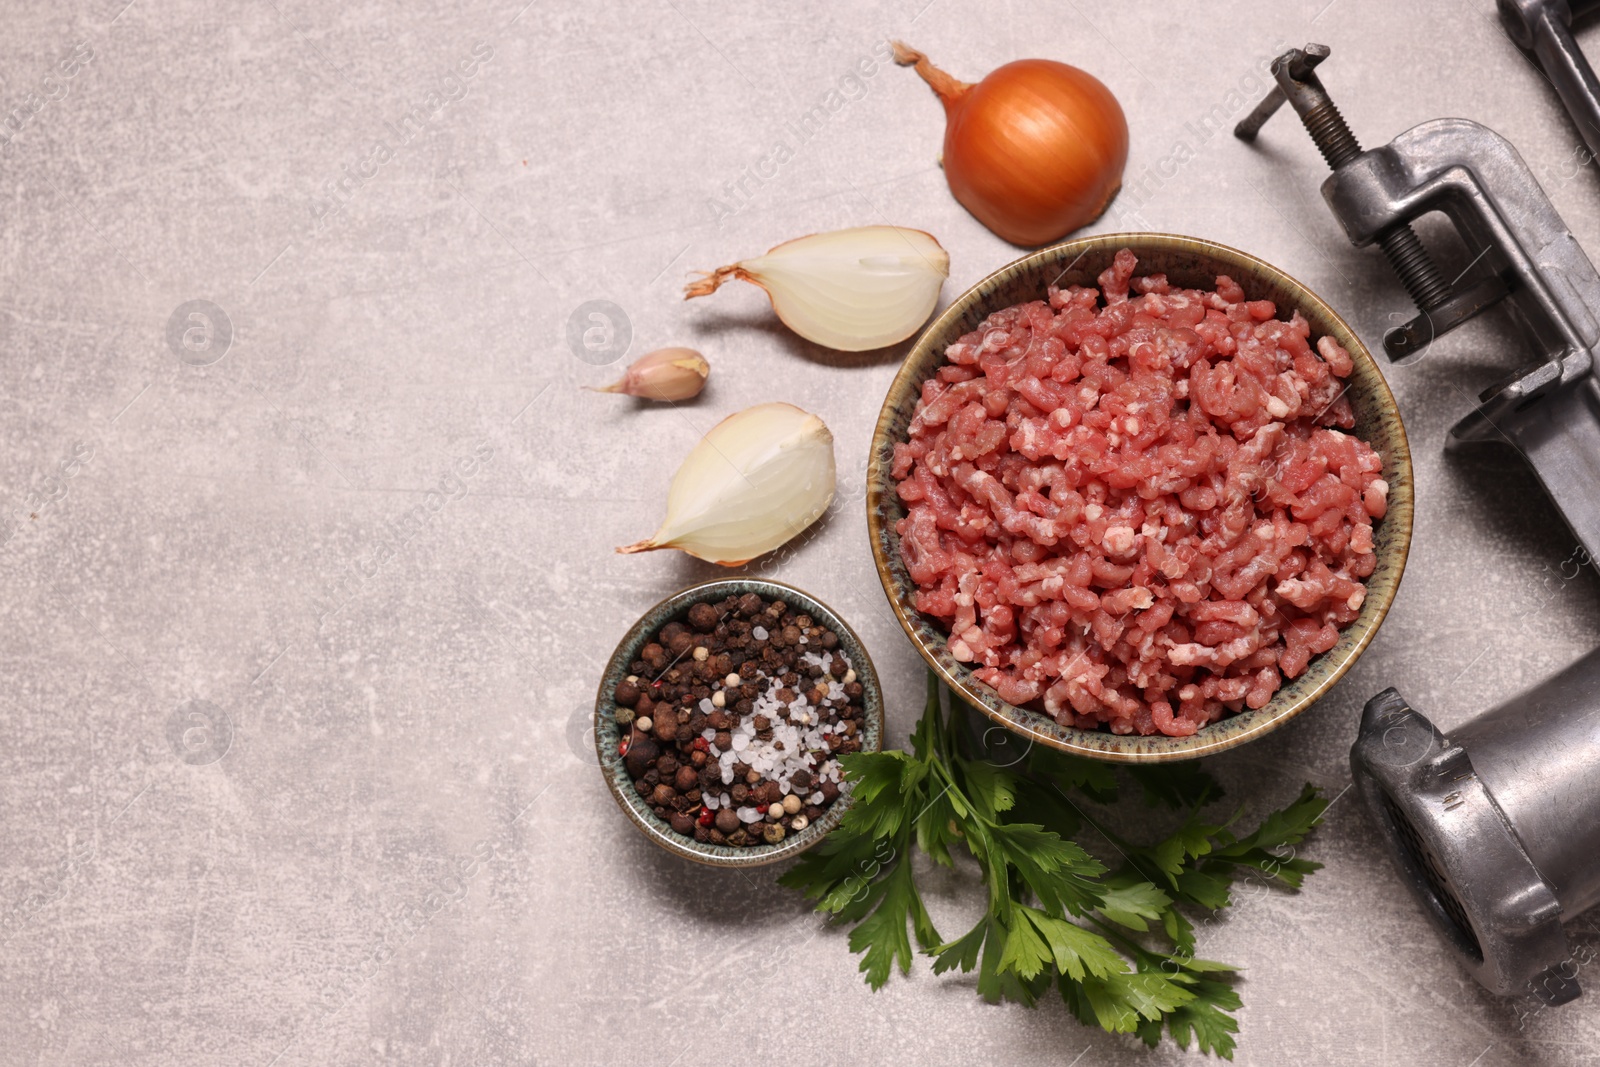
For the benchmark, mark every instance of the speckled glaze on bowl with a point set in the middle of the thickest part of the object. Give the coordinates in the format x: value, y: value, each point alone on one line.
x: 1187, y: 261
x: 607, y: 735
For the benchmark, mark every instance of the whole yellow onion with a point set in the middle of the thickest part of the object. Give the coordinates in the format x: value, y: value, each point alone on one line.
x: 1035, y: 150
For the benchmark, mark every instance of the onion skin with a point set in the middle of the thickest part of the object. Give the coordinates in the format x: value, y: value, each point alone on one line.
x: 1035, y: 150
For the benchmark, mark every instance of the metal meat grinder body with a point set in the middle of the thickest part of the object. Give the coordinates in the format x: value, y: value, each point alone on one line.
x: 1496, y: 827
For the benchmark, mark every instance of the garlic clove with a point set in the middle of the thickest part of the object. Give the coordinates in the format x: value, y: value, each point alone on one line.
x: 851, y: 290
x: 760, y: 477
x: 665, y: 374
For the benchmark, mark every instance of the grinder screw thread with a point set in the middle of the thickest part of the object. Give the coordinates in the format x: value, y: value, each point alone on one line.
x: 1400, y: 244
x: 1331, y: 134
x: 1417, y: 272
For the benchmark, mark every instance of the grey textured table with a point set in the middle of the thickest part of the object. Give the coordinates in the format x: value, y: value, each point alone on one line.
x: 303, y: 615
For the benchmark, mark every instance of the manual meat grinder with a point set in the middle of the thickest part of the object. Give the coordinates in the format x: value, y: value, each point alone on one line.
x: 1494, y: 826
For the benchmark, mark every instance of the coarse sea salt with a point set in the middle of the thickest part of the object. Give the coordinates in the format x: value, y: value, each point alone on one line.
x: 797, y: 743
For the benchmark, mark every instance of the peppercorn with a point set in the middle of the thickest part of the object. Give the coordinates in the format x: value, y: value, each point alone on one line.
x: 704, y: 677
x: 853, y: 690
x: 641, y: 753
x: 798, y: 823
x: 772, y: 833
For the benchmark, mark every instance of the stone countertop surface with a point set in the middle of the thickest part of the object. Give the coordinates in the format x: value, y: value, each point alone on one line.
x: 307, y: 533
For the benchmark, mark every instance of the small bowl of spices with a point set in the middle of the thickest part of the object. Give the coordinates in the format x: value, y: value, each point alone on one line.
x: 722, y: 716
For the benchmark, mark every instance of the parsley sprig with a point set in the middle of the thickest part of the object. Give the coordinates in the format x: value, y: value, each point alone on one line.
x: 1117, y: 942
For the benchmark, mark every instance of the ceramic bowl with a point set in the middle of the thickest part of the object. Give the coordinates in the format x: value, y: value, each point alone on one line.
x: 607, y: 735
x: 1187, y: 261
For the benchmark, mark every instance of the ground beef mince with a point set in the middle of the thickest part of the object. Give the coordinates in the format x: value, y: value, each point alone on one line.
x: 1136, y: 505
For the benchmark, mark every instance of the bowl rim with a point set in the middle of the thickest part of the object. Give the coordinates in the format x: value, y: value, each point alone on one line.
x: 670, y: 607
x: 1135, y: 748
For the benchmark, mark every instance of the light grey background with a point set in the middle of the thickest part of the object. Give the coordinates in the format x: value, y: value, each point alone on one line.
x: 400, y: 696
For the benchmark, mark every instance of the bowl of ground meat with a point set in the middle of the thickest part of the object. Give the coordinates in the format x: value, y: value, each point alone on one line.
x: 1140, y: 497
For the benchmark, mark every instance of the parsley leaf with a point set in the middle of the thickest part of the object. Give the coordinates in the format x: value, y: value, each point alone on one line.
x: 1117, y: 944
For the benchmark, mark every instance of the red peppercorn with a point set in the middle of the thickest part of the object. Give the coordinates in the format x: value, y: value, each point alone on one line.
x: 706, y: 818
x: 702, y: 744
x: 622, y: 747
